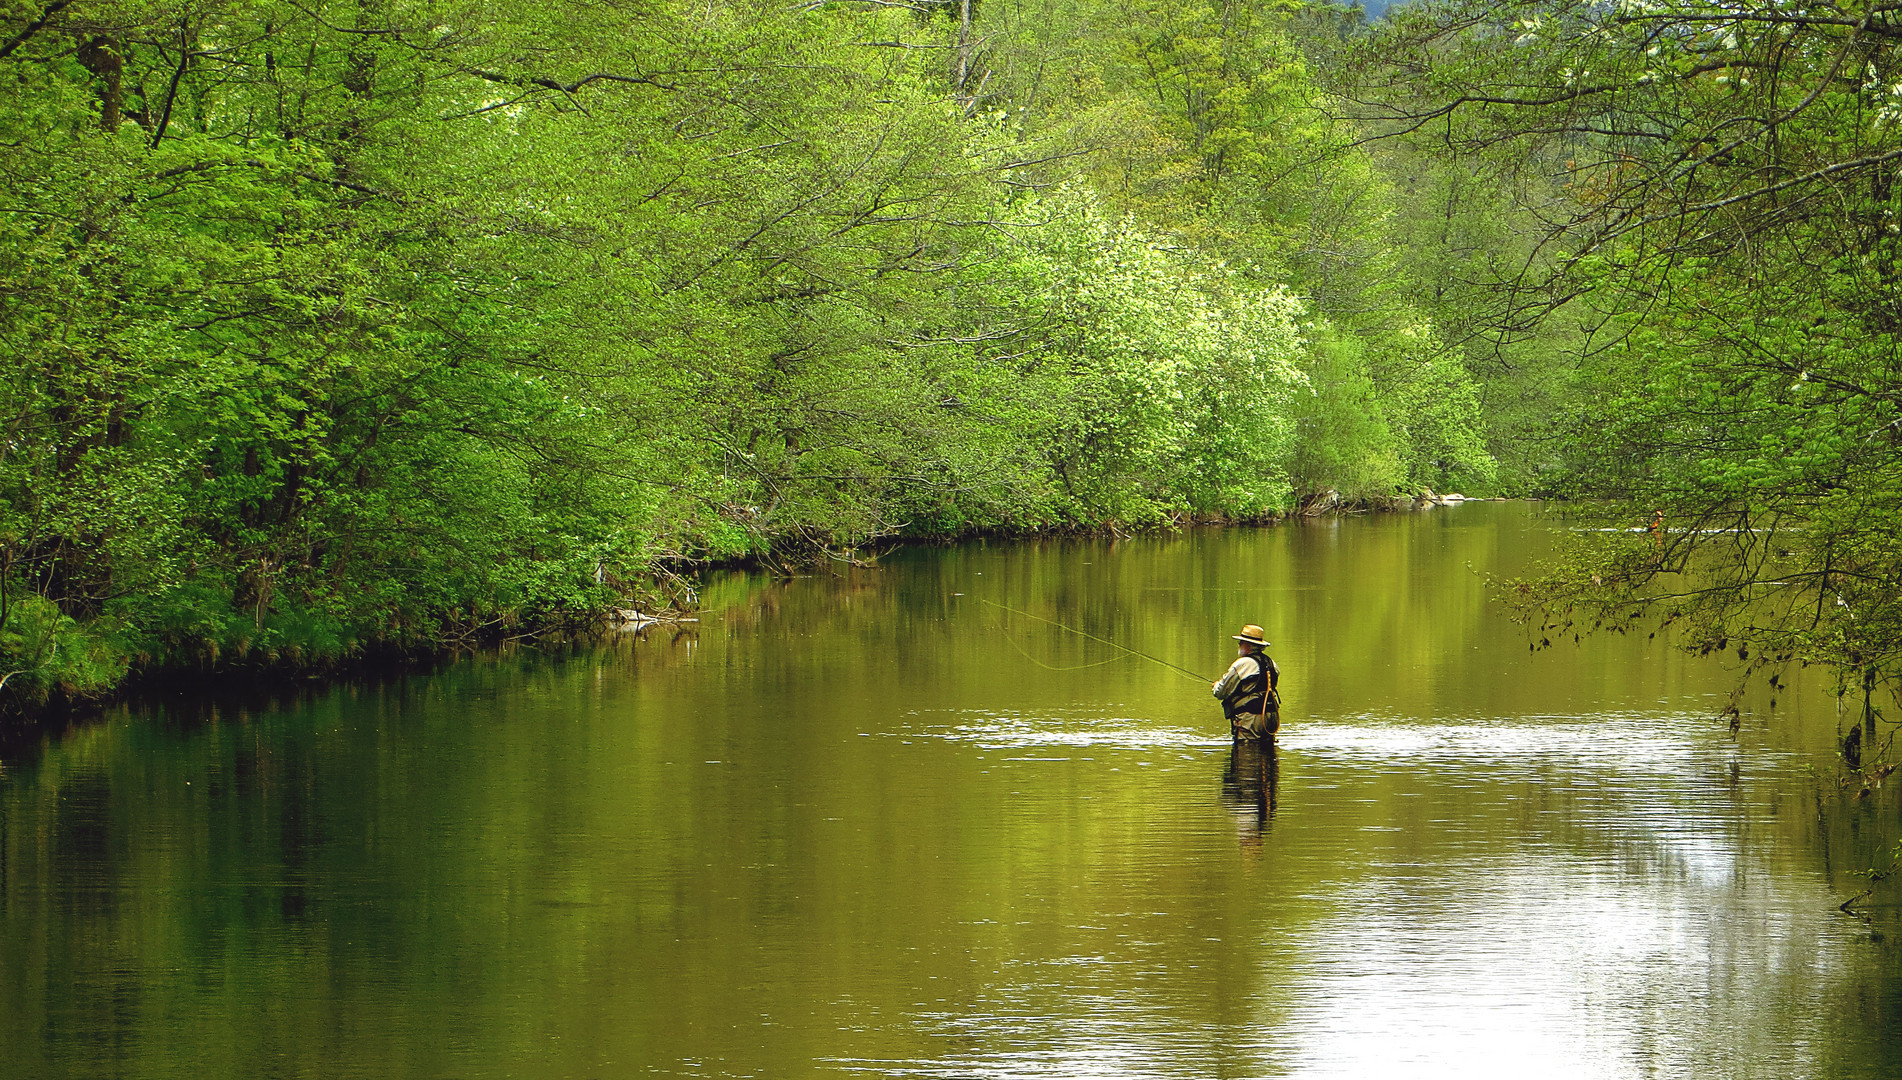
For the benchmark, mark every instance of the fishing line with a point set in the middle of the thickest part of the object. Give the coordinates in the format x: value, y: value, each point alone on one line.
x: 1051, y: 667
x: 1093, y: 637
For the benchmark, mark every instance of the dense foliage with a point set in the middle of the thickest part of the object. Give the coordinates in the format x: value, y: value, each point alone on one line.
x: 397, y: 322
x: 1716, y: 186
x: 393, y: 323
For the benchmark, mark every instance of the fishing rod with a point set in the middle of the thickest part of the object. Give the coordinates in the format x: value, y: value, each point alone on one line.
x: 1093, y: 637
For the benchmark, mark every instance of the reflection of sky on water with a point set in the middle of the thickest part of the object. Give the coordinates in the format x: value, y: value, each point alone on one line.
x: 1630, y: 928
x: 998, y: 731
x: 1640, y: 934
x: 1652, y: 742
x: 855, y: 831
x: 1563, y: 968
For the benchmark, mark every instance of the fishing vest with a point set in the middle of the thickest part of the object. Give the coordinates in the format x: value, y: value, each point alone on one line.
x: 1246, y: 698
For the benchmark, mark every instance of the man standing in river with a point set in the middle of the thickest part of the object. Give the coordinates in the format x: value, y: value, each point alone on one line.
x: 1248, y: 688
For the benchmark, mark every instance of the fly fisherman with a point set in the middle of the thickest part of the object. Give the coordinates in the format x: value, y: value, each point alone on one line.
x: 1248, y: 688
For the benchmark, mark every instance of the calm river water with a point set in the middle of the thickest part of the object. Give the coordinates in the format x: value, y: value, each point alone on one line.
x: 873, y: 825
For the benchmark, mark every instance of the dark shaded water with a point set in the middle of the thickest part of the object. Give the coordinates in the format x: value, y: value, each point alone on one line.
x: 873, y: 825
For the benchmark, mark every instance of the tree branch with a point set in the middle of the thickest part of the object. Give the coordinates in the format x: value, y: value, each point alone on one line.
x: 568, y: 88
x: 32, y: 28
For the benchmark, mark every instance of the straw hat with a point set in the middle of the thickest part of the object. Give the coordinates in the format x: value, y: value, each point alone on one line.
x: 1252, y: 634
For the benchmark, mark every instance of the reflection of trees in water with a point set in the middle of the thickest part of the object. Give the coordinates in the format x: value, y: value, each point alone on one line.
x: 1248, y: 787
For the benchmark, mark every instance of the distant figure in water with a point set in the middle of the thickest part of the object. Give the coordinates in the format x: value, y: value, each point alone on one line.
x: 1248, y: 689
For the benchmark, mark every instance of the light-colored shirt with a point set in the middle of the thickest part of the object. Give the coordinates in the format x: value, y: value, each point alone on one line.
x: 1243, y: 667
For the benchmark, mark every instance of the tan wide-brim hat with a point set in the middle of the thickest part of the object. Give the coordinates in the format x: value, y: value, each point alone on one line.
x: 1252, y: 634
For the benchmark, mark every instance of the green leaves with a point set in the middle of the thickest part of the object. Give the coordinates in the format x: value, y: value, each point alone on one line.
x: 391, y: 324
x: 1167, y: 377
x: 1727, y: 206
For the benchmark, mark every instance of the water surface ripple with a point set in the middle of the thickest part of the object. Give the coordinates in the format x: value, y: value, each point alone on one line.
x: 863, y: 825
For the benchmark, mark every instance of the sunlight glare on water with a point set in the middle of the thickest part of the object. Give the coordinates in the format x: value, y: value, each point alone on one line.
x: 865, y: 825
x: 1625, y: 903
x: 994, y: 732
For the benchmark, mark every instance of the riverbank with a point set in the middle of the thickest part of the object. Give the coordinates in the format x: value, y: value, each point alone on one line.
x: 96, y: 664
x: 61, y: 670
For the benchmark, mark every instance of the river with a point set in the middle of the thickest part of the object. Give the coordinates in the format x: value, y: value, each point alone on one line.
x: 871, y: 824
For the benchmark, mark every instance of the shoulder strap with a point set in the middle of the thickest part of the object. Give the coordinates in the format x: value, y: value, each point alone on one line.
x: 1270, y: 677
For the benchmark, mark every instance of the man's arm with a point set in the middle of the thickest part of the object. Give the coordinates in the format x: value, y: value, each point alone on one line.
x: 1235, y: 673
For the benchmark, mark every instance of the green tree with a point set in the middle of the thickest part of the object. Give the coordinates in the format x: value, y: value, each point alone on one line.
x: 1728, y: 235
x: 399, y: 323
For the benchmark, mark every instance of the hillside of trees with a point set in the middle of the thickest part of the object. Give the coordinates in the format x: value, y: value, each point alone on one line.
x: 333, y: 327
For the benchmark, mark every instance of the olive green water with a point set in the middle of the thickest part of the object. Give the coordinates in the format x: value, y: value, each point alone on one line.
x: 870, y: 825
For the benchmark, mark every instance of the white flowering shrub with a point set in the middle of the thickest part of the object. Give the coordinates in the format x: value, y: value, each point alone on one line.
x: 1161, y: 381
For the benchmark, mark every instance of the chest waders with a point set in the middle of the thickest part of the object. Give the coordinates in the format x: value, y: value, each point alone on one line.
x: 1254, y: 707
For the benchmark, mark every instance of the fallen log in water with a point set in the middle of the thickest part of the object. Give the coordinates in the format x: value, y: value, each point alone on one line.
x: 630, y: 619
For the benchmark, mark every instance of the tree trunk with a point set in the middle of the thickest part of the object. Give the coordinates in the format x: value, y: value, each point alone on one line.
x: 105, y: 58
x: 967, y: 48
